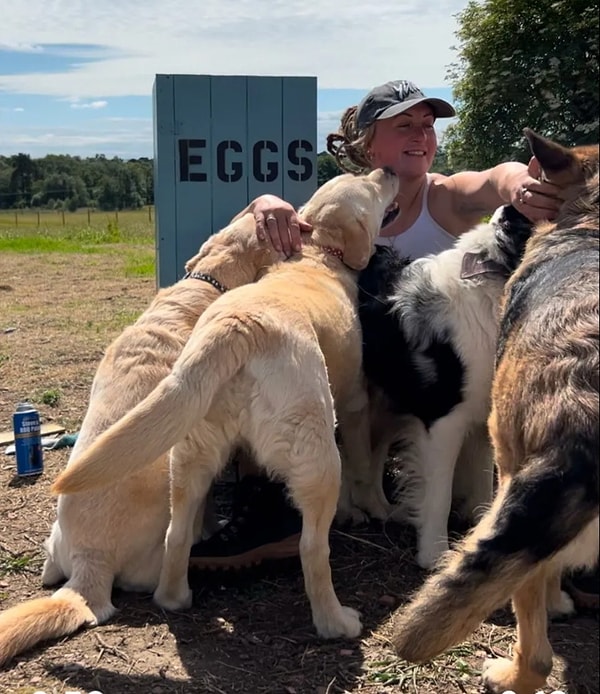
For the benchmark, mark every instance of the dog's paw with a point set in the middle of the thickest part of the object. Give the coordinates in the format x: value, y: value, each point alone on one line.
x: 169, y: 599
x: 350, y: 515
x: 563, y: 606
x: 52, y: 573
x: 498, y: 675
x: 429, y: 555
x: 501, y: 675
x: 373, y: 505
x: 345, y: 623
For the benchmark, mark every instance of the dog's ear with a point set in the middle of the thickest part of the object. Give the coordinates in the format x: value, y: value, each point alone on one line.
x: 553, y: 157
x: 358, y: 246
x: 563, y: 165
x: 192, y: 262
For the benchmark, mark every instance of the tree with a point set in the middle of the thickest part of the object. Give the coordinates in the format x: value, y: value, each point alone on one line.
x: 72, y: 182
x: 523, y: 63
x: 327, y: 168
x: 440, y: 162
x: 61, y: 186
x: 24, y: 173
x: 108, y: 194
x: 7, y: 197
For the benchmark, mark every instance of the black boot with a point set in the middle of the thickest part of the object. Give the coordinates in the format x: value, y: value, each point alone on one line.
x: 263, y: 525
x: 583, y: 586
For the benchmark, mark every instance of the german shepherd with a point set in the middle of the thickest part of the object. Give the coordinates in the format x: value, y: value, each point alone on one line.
x: 544, y: 428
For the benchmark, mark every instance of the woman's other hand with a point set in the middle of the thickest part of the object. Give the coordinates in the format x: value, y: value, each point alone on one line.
x: 534, y: 197
x: 279, y: 221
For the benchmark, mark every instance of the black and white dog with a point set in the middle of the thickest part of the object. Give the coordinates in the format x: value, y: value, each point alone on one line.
x: 430, y: 329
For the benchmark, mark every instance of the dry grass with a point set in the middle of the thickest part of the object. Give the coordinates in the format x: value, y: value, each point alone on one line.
x: 248, y: 632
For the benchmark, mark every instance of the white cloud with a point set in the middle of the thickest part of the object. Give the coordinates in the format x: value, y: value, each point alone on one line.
x: 20, y: 47
x: 90, y: 104
x: 104, y: 138
x: 354, y: 44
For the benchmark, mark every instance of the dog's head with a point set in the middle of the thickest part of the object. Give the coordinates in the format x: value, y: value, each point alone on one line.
x: 568, y: 167
x: 575, y: 170
x: 348, y: 212
x: 235, y: 253
x: 512, y: 230
x: 495, y: 248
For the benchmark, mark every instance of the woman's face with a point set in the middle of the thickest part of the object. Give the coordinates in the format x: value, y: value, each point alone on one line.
x: 406, y: 143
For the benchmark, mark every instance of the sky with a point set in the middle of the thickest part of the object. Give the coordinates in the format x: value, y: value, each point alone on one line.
x: 76, y: 76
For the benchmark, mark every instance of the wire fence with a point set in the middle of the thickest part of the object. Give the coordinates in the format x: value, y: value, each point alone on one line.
x: 42, y: 218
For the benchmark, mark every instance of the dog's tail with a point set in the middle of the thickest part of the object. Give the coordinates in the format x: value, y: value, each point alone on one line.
x: 31, y: 622
x: 536, y: 514
x: 213, y: 356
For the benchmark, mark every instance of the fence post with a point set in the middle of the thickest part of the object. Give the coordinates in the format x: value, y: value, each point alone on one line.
x: 89, y: 221
x: 38, y: 219
x: 16, y: 220
x: 63, y: 217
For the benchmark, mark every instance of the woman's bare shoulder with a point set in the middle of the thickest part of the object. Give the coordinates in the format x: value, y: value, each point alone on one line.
x: 445, y: 205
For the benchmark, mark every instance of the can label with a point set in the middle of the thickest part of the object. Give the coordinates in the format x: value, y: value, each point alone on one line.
x: 28, y: 443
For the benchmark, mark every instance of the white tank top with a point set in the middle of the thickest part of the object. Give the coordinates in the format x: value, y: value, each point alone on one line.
x: 425, y: 236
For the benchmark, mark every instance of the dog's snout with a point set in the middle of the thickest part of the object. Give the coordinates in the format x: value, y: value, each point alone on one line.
x: 389, y: 172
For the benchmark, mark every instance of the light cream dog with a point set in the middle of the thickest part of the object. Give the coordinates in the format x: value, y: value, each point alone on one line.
x: 115, y: 536
x: 263, y: 367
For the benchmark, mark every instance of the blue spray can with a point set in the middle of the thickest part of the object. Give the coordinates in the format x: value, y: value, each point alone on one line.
x: 28, y: 440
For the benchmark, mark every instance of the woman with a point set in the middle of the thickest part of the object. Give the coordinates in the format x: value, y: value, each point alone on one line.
x: 392, y: 126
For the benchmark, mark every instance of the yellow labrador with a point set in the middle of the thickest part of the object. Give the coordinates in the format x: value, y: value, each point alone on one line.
x: 115, y: 536
x: 263, y: 367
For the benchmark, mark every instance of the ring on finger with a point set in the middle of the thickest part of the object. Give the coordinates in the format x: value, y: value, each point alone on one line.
x: 271, y: 218
x: 522, y: 192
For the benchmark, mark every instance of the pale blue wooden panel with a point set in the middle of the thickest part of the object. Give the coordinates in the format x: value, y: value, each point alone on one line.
x: 265, y: 136
x: 193, y: 122
x: 229, y: 135
x: 206, y: 166
x: 300, y: 137
x: 165, y: 179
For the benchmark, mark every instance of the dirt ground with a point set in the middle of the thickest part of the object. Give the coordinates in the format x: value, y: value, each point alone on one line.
x: 247, y: 632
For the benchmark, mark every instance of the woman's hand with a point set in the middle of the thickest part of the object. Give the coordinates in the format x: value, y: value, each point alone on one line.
x: 279, y: 221
x: 533, y: 197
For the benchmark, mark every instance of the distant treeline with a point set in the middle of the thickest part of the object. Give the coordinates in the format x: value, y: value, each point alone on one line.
x: 60, y: 181
x: 63, y: 182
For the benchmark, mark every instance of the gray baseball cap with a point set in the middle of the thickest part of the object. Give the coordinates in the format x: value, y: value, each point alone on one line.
x: 395, y: 97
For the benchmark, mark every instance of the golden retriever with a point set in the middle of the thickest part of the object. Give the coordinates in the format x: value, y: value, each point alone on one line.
x: 544, y: 427
x: 115, y: 536
x: 263, y: 367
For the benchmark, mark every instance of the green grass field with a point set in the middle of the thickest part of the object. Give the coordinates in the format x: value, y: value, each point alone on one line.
x: 129, y: 232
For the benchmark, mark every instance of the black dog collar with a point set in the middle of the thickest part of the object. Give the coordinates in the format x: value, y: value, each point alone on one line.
x: 206, y: 278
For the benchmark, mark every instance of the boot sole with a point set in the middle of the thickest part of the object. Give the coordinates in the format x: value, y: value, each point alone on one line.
x: 289, y: 547
x: 582, y: 600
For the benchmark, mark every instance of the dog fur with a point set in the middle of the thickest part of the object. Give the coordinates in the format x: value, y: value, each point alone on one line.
x: 429, y: 332
x: 115, y: 536
x: 544, y: 427
x: 263, y: 367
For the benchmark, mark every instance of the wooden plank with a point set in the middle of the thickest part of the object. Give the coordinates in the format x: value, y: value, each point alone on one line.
x: 300, y: 138
x: 165, y: 180
x: 229, y: 146
x: 265, y: 137
x: 194, y: 188
x: 47, y: 429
